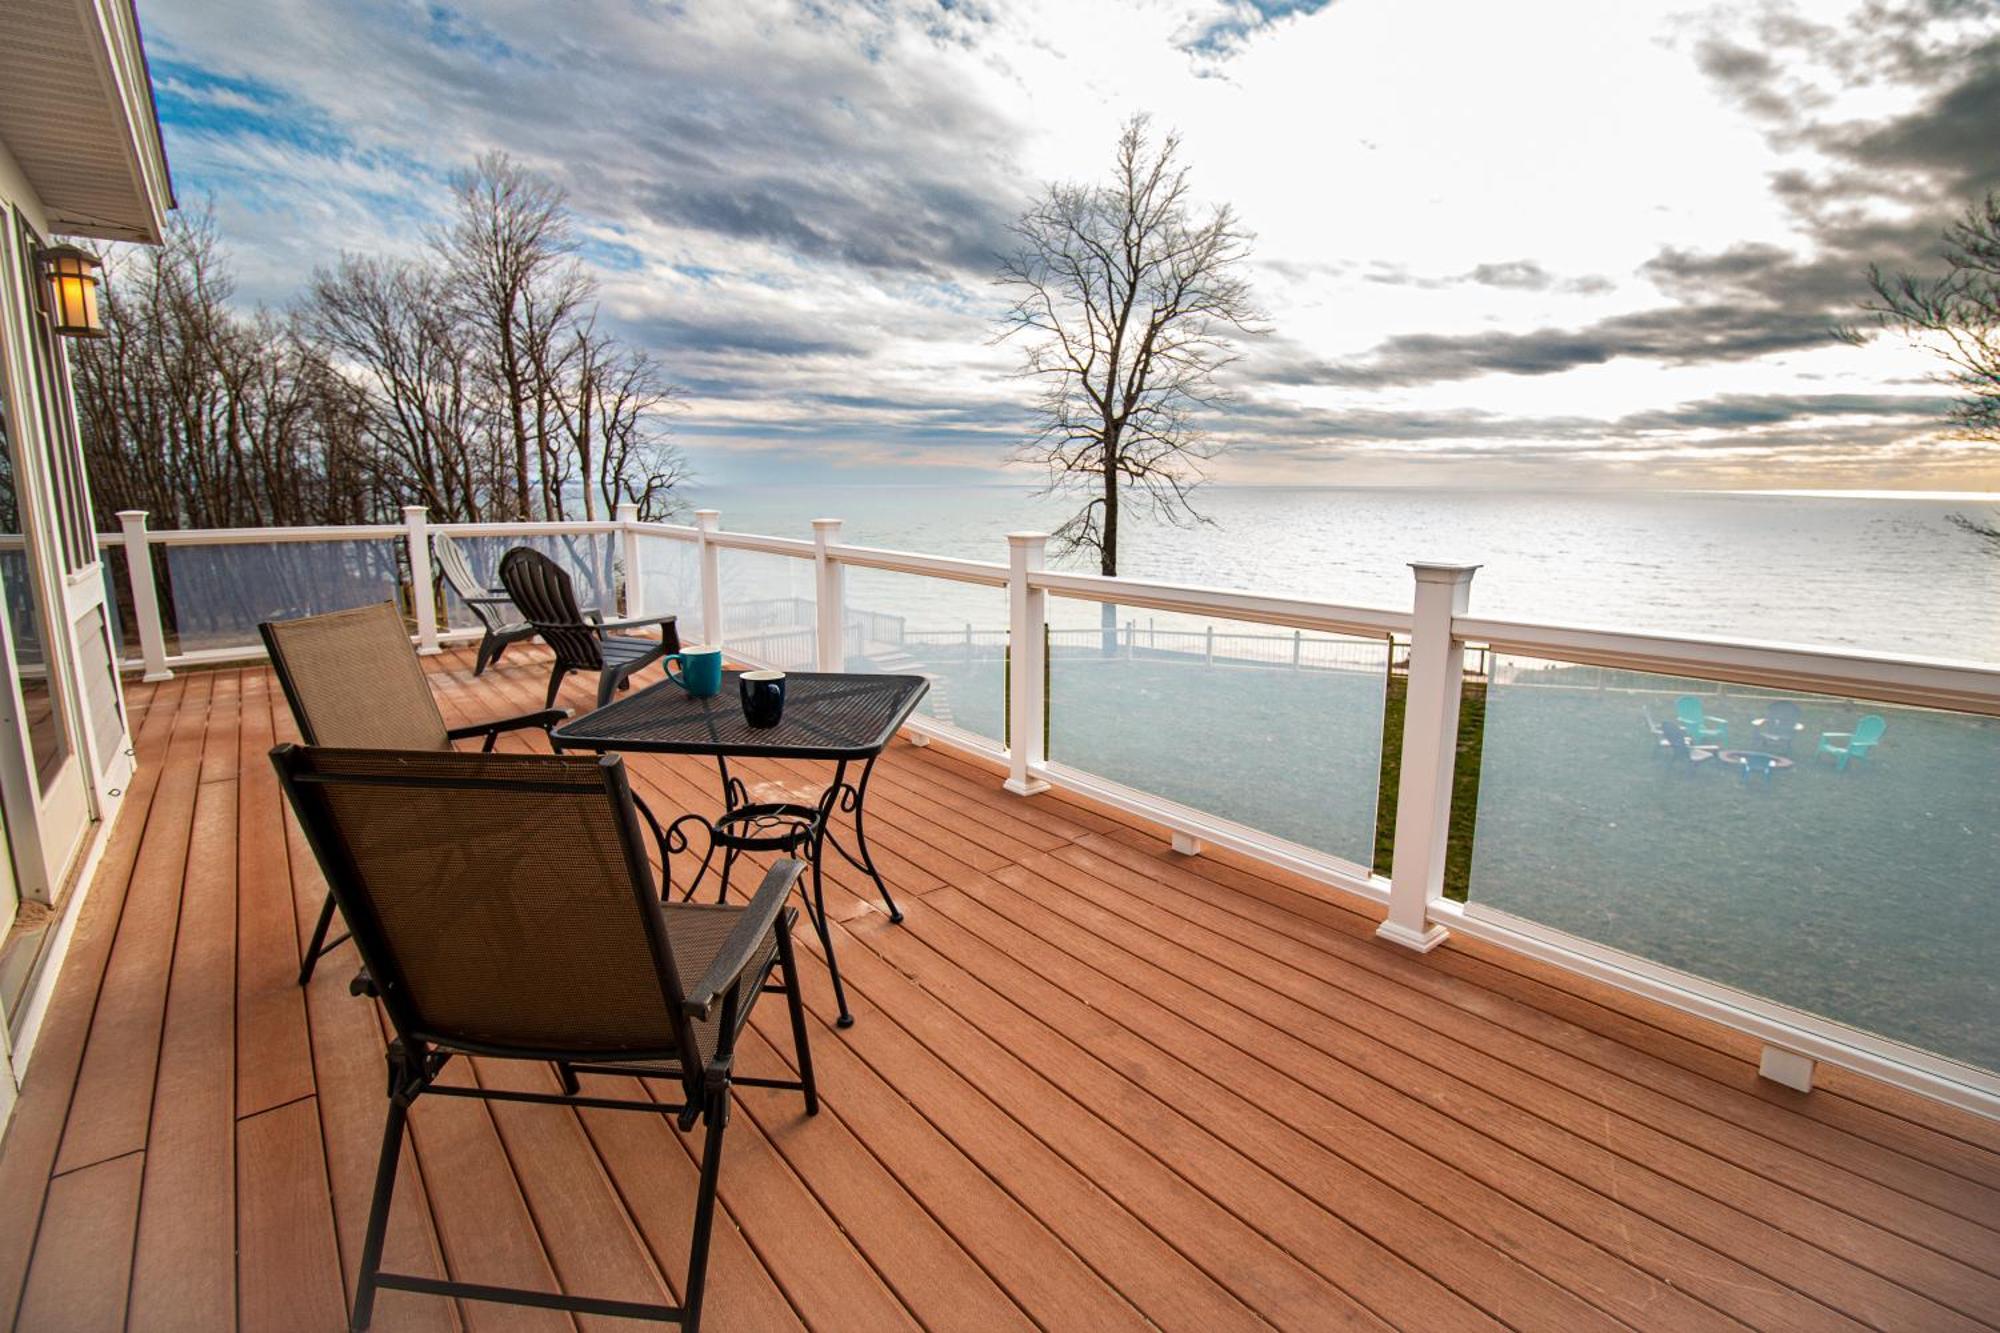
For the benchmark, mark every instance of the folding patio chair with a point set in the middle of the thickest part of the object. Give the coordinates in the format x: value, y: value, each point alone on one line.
x: 541, y: 589
x: 505, y: 909
x: 353, y: 680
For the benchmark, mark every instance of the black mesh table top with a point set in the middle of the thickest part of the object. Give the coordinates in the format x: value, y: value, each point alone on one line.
x: 828, y: 715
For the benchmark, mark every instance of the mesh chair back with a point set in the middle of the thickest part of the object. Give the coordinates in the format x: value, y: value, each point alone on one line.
x: 451, y: 560
x: 501, y: 902
x: 541, y: 589
x: 353, y: 679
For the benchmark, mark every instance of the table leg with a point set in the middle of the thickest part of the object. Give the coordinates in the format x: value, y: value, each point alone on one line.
x: 854, y: 799
x: 817, y: 908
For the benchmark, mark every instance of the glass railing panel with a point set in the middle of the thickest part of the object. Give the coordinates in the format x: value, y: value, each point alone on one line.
x: 768, y: 608
x: 670, y: 575
x: 953, y: 633
x: 214, y: 596
x: 589, y: 558
x: 122, y: 625
x: 1756, y: 839
x: 1274, y: 729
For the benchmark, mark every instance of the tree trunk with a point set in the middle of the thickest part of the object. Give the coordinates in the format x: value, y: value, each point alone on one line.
x: 1107, y: 563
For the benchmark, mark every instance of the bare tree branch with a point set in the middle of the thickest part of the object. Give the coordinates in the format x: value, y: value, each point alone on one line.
x: 1955, y: 316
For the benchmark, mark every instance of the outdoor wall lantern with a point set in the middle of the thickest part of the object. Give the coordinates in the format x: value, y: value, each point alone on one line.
x: 71, y: 275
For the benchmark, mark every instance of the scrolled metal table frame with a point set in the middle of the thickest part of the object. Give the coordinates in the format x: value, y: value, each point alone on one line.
x: 749, y: 826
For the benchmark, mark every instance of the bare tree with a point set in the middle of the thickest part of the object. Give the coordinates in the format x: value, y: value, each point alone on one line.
x: 207, y: 417
x: 472, y: 379
x: 515, y: 283
x: 1126, y: 300
x: 613, y: 415
x: 1955, y: 315
x: 385, y: 326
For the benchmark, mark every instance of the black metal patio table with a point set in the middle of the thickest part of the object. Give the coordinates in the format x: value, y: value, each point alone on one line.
x: 844, y: 718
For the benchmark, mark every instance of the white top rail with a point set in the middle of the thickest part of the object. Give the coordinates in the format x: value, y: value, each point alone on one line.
x: 1291, y: 612
x: 350, y: 532
x: 526, y: 529
x: 750, y: 541
x: 339, y: 532
x: 674, y: 531
x: 1926, y: 682
x: 930, y: 566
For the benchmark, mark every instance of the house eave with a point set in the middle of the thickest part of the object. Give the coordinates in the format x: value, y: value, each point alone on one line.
x: 78, y: 117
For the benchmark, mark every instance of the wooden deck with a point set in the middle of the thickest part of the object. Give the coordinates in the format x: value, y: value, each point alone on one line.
x: 1093, y: 1085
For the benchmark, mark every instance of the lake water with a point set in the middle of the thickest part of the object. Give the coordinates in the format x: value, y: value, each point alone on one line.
x: 1889, y: 574
x: 1811, y: 882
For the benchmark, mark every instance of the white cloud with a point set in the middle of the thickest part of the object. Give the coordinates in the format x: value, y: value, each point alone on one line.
x: 812, y: 191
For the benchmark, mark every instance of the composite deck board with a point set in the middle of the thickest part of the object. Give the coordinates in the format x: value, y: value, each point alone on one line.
x: 186, y: 1253
x: 274, y: 1062
x: 1348, y: 1012
x: 288, y: 1264
x: 35, y: 1133
x: 1093, y: 1083
x: 1719, y: 1085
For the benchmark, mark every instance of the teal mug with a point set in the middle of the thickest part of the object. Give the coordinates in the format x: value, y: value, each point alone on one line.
x: 700, y: 670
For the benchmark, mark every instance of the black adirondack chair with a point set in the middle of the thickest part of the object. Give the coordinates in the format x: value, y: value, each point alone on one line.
x: 542, y: 591
x: 504, y: 908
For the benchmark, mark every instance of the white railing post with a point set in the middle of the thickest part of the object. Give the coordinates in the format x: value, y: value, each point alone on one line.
x: 1430, y: 747
x: 707, y: 521
x: 145, y: 597
x: 423, y: 602
x: 829, y: 597
x: 628, y: 555
x: 1028, y: 608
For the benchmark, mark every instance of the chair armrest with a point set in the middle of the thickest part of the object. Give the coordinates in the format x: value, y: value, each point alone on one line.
x: 1836, y: 735
x: 497, y: 599
x: 640, y: 623
x: 545, y: 719
x: 743, y: 940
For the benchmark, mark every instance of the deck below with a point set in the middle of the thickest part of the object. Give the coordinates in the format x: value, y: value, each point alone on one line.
x: 1093, y: 1084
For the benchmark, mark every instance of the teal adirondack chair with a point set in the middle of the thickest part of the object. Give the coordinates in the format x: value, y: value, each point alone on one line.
x: 1700, y: 727
x: 1855, y: 744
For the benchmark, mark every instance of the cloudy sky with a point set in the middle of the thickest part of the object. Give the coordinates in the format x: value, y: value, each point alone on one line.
x: 1558, y: 241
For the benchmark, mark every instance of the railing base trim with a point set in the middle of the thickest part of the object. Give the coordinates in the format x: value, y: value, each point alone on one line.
x: 1898, y: 1064
x: 1422, y: 941
x: 1029, y: 787
x: 1320, y: 867
x: 1786, y: 1068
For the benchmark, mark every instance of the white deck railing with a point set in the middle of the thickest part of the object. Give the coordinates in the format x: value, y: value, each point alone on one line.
x: 1435, y: 632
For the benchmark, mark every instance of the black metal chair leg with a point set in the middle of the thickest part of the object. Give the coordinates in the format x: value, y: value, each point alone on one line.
x: 607, y: 684
x: 318, y: 945
x: 796, y: 1008
x: 378, y: 1216
x: 486, y: 655
x: 555, y: 683
x: 567, y: 1074
x: 717, y: 1116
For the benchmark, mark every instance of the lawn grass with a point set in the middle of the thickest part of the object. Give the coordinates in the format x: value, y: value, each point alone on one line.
x: 1464, y: 783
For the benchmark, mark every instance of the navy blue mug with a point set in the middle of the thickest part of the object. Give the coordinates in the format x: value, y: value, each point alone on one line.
x: 763, y: 697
